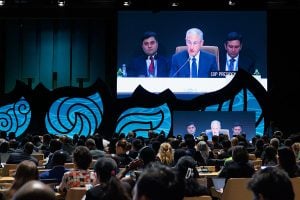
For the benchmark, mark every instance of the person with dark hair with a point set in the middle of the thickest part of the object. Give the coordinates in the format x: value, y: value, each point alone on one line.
x: 233, y: 59
x: 35, y: 190
x: 191, y: 129
x: 59, y: 158
x: 26, y: 171
x: 287, y: 162
x: 239, y: 166
x: 158, y: 182
x: 187, y: 171
x: 237, y: 129
x: 193, y: 62
x: 271, y: 183
x: 17, y: 157
x: 151, y: 63
x: 80, y: 176
x: 109, y: 186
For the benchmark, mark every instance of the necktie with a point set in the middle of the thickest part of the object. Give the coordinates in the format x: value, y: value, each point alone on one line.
x: 194, y: 67
x: 151, y: 66
x: 231, y: 64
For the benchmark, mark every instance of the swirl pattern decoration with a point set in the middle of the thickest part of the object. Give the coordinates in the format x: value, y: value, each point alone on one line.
x: 75, y: 115
x: 15, y: 117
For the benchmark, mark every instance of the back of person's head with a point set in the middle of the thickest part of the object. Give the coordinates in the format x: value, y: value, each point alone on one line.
x: 90, y: 143
x: 11, y: 135
x: 271, y: 183
x: 137, y: 144
x: 178, y: 153
x: 186, y: 166
x: 28, y: 148
x: 34, y: 190
x: 147, y: 154
x: 275, y: 142
x: 159, y: 182
x: 26, y: 171
x: 105, y: 168
x: 240, y: 154
x: 59, y: 157
x: 287, y: 160
x: 4, y: 147
x: 82, y: 157
x: 55, y: 144
x: 259, y: 144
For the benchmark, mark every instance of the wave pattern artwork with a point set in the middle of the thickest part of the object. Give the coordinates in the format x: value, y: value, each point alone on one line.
x: 75, y: 115
x: 141, y: 120
x: 15, y: 117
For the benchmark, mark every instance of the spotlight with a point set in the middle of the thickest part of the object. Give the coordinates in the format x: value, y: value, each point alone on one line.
x: 232, y: 2
x: 2, y: 2
x: 175, y: 4
x: 61, y: 3
x: 126, y: 3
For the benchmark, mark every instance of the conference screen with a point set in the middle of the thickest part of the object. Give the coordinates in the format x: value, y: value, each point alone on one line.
x: 202, y: 121
x: 171, y: 27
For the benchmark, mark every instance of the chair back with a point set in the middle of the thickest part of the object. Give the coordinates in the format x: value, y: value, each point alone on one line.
x: 296, y: 186
x: 204, y: 197
x: 75, y: 193
x: 7, y: 168
x: 210, y: 49
x: 236, y: 189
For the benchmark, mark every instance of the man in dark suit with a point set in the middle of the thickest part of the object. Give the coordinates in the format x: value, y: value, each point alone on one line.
x: 233, y: 46
x: 183, y: 64
x: 19, y: 155
x: 150, y: 64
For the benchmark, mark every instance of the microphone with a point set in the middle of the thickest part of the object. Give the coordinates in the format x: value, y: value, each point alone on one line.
x: 178, y: 70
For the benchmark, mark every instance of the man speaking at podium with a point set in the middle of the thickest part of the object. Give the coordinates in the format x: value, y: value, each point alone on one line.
x: 193, y: 62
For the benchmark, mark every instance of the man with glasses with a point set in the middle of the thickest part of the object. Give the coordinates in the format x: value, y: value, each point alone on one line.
x: 193, y: 62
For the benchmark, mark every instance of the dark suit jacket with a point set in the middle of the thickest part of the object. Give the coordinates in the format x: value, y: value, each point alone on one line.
x: 138, y: 66
x: 180, y: 66
x: 244, y: 62
x: 17, y: 157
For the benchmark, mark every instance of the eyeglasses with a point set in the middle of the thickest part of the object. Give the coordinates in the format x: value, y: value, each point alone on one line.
x: 190, y: 43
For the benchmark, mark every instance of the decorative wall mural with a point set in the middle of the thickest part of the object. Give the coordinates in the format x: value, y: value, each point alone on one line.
x: 15, y: 117
x: 141, y: 120
x: 75, y: 115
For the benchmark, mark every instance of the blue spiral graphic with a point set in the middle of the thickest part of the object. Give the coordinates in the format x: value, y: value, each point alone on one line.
x: 15, y: 117
x: 69, y: 116
x: 141, y: 120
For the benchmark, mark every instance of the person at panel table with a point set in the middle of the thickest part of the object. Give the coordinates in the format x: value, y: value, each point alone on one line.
x: 215, y: 127
x: 193, y: 62
x: 233, y: 59
x: 150, y: 63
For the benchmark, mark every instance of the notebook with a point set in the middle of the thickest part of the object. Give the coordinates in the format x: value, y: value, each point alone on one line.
x: 219, y: 183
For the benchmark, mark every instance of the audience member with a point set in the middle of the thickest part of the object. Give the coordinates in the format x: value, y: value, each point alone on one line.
x: 59, y: 158
x: 17, y: 157
x: 34, y: 190
x: 165, y: 154
x: 239, y: 166
x: 109, y: 186
x: 187, y: 171
x: 271, y: 183
x: 91, y: 145
x: 26, y: 171
x: 287, y: 162
x: 80, y: 176
x: 158, y: 182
